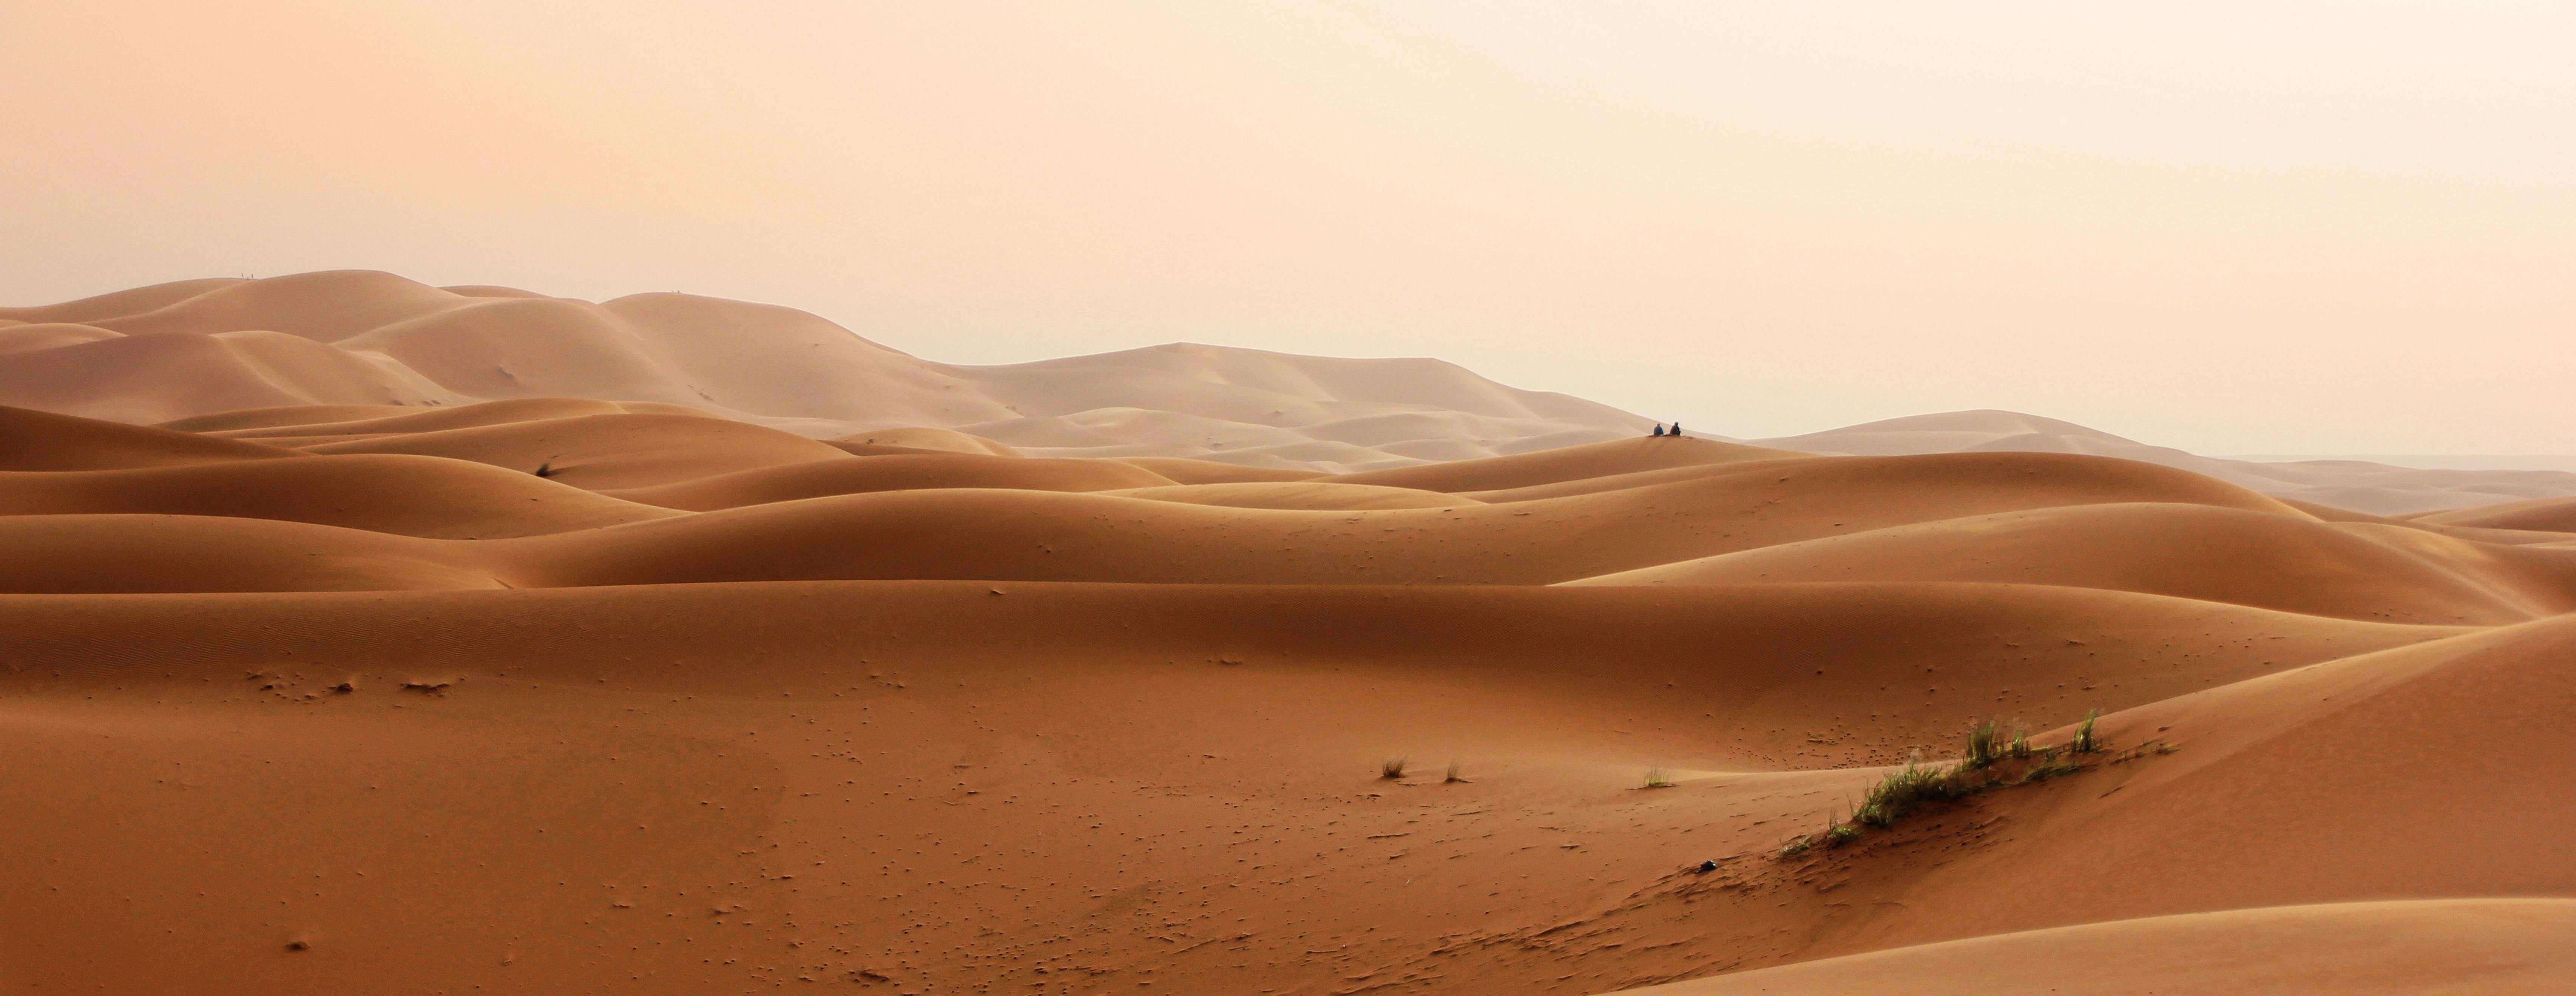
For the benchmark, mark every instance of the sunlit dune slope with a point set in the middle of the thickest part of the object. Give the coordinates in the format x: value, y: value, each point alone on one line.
x: 1570, y: 463
x: 2454, y: 946
x: 2541, y: 514
x: 1312, y: 495
x: 892, y: 472
x: 1188, y: 471
x: 2354, y: 484
x: 603, y: 452
x: 989, y: 533
x: 2294, y: 564
x: 226, y: 423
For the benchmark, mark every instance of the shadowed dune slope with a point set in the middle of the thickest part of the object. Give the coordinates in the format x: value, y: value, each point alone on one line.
x: 2188, y: 551
x: 41, y: 441
x: 397, y: 494
x: 2454, y: 946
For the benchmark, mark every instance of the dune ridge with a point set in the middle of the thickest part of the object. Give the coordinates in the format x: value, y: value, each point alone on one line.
x: 349, y: 346
x: 591, y: 692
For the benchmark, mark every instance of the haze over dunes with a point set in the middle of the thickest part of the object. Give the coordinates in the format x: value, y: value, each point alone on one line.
x: 351, y: 356
x: 469, y: 640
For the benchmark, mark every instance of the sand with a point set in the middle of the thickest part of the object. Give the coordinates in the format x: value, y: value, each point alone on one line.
x: 355, y: 346
x: 330, y: 695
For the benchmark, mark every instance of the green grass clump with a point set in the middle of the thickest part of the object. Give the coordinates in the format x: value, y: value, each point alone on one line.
x: 1657, y: 779
x: 2084, y: 742
x: 1910, y: 787
x: 1980, y: 754
x: 1918, y: 784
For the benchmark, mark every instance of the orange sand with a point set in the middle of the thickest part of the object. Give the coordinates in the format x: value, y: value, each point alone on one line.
x: 329, y: 694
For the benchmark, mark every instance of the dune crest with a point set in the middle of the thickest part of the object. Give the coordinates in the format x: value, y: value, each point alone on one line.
x: 359, y: 341
x: 499, y: 642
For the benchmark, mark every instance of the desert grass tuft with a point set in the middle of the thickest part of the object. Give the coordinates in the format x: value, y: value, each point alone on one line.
x: 1453, y: 775
x: 547, y: 469
x: 1980, y: 754
x: 1392, y: 767
x: 1919, y: 784
x: 1909, y: 788
x: 1657, y: 779
x: 2084, y: 742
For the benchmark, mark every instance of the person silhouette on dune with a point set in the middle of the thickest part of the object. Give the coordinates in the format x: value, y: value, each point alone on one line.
x: 1677, y: 430
x: 1659, y: 428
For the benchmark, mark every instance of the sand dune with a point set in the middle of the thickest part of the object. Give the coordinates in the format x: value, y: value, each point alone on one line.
x: 401, y: 495
x: 1138, y: 759
x: 1309, y: 495
x: 364, y: 339
x: 39, y: 441
x: 494, y: 642
x: 2503, y: 946
x: 2355, y: 484
x: 2540, y: 515
x: 607, y: 451
x: 892, y: 472
x: 2189, y: 551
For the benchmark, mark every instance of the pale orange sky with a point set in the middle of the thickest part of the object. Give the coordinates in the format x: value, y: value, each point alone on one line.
x: 2231, y: 227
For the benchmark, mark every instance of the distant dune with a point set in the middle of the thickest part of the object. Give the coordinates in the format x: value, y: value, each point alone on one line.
x: 354, y: 347
x: 2360, y: 485
x: 490, y: 642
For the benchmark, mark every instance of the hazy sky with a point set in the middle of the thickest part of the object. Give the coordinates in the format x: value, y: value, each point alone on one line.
x: 2232, y: 227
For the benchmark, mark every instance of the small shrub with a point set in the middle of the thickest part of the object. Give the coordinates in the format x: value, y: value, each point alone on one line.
x: 547, y: 469
x: 1392, y: 767
x: 1918, y: 784
x: 1981, y: 747
x: 1453, y: 776
x: 1656, y: 779
x: 1909, y: 787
